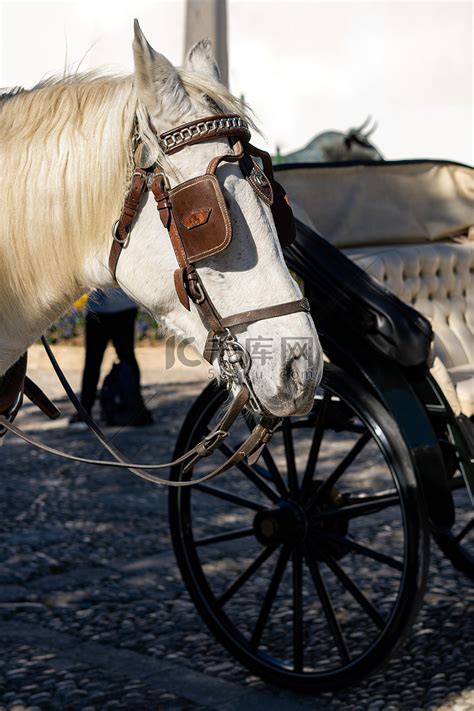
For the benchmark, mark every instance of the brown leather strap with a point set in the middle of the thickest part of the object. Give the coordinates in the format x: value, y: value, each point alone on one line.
x: 245, y: 317
x: 252, y: 316
x: 160, y: 193
x: 235, y: 157
x: 42, y: 401
x: 204, y: 129
x: 179, y: 278
x: 122, y: 227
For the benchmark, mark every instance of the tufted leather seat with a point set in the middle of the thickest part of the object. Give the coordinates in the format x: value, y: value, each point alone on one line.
x: 410, y: 226
x: 438, y: 280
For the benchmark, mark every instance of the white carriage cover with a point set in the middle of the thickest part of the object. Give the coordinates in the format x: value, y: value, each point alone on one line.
x: 410, y: 225
x: 384, y: 202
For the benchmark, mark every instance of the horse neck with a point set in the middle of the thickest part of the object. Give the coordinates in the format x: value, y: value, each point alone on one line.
x: 63, y: 188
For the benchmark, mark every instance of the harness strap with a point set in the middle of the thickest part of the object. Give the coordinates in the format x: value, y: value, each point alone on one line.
x: 40, y: 399
x: 121, y: 229
x: 252, y: 316
x: 245, y: 317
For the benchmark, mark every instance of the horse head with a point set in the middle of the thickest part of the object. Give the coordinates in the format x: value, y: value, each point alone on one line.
x: 250, y: 273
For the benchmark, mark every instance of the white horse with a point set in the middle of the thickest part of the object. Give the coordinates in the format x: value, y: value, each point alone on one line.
x: 66, y: 158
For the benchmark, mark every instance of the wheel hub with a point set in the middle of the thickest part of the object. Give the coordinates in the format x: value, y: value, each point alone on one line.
x: 287, y: 523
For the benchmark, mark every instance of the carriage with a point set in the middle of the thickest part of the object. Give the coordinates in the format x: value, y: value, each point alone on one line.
x: 308, y: 559
x: 311, y: 567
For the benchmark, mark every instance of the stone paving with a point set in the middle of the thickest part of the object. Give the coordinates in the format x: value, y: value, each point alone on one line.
x: 93, y: 611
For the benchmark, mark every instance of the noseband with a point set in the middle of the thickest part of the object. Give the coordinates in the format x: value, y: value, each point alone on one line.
x: 199, y: 225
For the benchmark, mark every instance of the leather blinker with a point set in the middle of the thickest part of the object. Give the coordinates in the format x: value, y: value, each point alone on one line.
x: 273, y: 194
x: 258, y: 180
x: 201, y: 217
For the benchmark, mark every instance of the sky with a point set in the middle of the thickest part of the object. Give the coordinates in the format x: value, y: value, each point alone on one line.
x: 304, y: 67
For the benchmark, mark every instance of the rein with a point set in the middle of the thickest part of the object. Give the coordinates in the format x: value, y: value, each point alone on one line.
x: 198, y: 222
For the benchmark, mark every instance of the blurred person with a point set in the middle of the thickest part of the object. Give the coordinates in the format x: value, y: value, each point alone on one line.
x: 111, y: 316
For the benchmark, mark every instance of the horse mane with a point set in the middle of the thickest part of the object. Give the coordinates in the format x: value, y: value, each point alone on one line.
x: 6, y: 94
x: 66, y: 159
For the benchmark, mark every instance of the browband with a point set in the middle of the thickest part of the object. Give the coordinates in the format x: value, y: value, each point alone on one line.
x: 205, y: 129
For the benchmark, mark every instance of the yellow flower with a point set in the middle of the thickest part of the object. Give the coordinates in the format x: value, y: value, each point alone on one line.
x: 81, y: 302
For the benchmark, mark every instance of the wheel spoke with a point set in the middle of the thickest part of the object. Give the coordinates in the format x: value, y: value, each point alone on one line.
x: 355, y: 591
x: 273, y: 470
x: 315, y: 444
x: 290, y: 456
x: 269, y: 597
x: 327, y: 485
x: 465, y: 529
x: 298, y: 609
x: 251, y: 474
x: 331, y: 618
x: 228, y: 496
x: 243, y: 577
x: 221, y: 537
x: 363, y: 550
x: 361, y: 508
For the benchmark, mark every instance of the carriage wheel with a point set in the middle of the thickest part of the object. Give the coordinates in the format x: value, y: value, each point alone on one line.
x: 309, y: 566
x: 457, y: 543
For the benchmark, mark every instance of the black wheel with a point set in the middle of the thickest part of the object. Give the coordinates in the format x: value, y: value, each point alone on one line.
x: 457, y: 543
x: 310, y: 566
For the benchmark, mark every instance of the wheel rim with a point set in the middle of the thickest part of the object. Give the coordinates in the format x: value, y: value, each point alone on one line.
x: 458, y: 542
x: 269, y: 567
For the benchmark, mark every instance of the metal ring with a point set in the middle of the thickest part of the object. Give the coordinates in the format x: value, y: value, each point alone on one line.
x: 201, y: 296
x: 114, y: 234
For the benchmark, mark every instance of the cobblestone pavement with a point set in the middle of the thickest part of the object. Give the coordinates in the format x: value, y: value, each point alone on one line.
x: 93, y: 611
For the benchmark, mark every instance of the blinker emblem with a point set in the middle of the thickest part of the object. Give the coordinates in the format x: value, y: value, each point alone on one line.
x: 196, y: 218
x: 259, y: 177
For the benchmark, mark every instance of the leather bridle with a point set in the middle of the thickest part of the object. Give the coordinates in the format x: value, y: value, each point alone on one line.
x: 199, y: 226
x: 198, y: 223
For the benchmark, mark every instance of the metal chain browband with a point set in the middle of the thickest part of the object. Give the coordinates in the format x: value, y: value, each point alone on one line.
x: 204, y: 129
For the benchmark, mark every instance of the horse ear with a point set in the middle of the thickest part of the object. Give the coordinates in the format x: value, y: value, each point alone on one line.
x: 158, y: 84
x: 200, y: 59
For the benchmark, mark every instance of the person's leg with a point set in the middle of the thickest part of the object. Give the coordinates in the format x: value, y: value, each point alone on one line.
x: 123, y: 338
x: 97, y: 337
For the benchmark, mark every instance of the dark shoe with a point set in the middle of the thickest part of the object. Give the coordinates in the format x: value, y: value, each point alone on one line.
x: 144, y: 419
